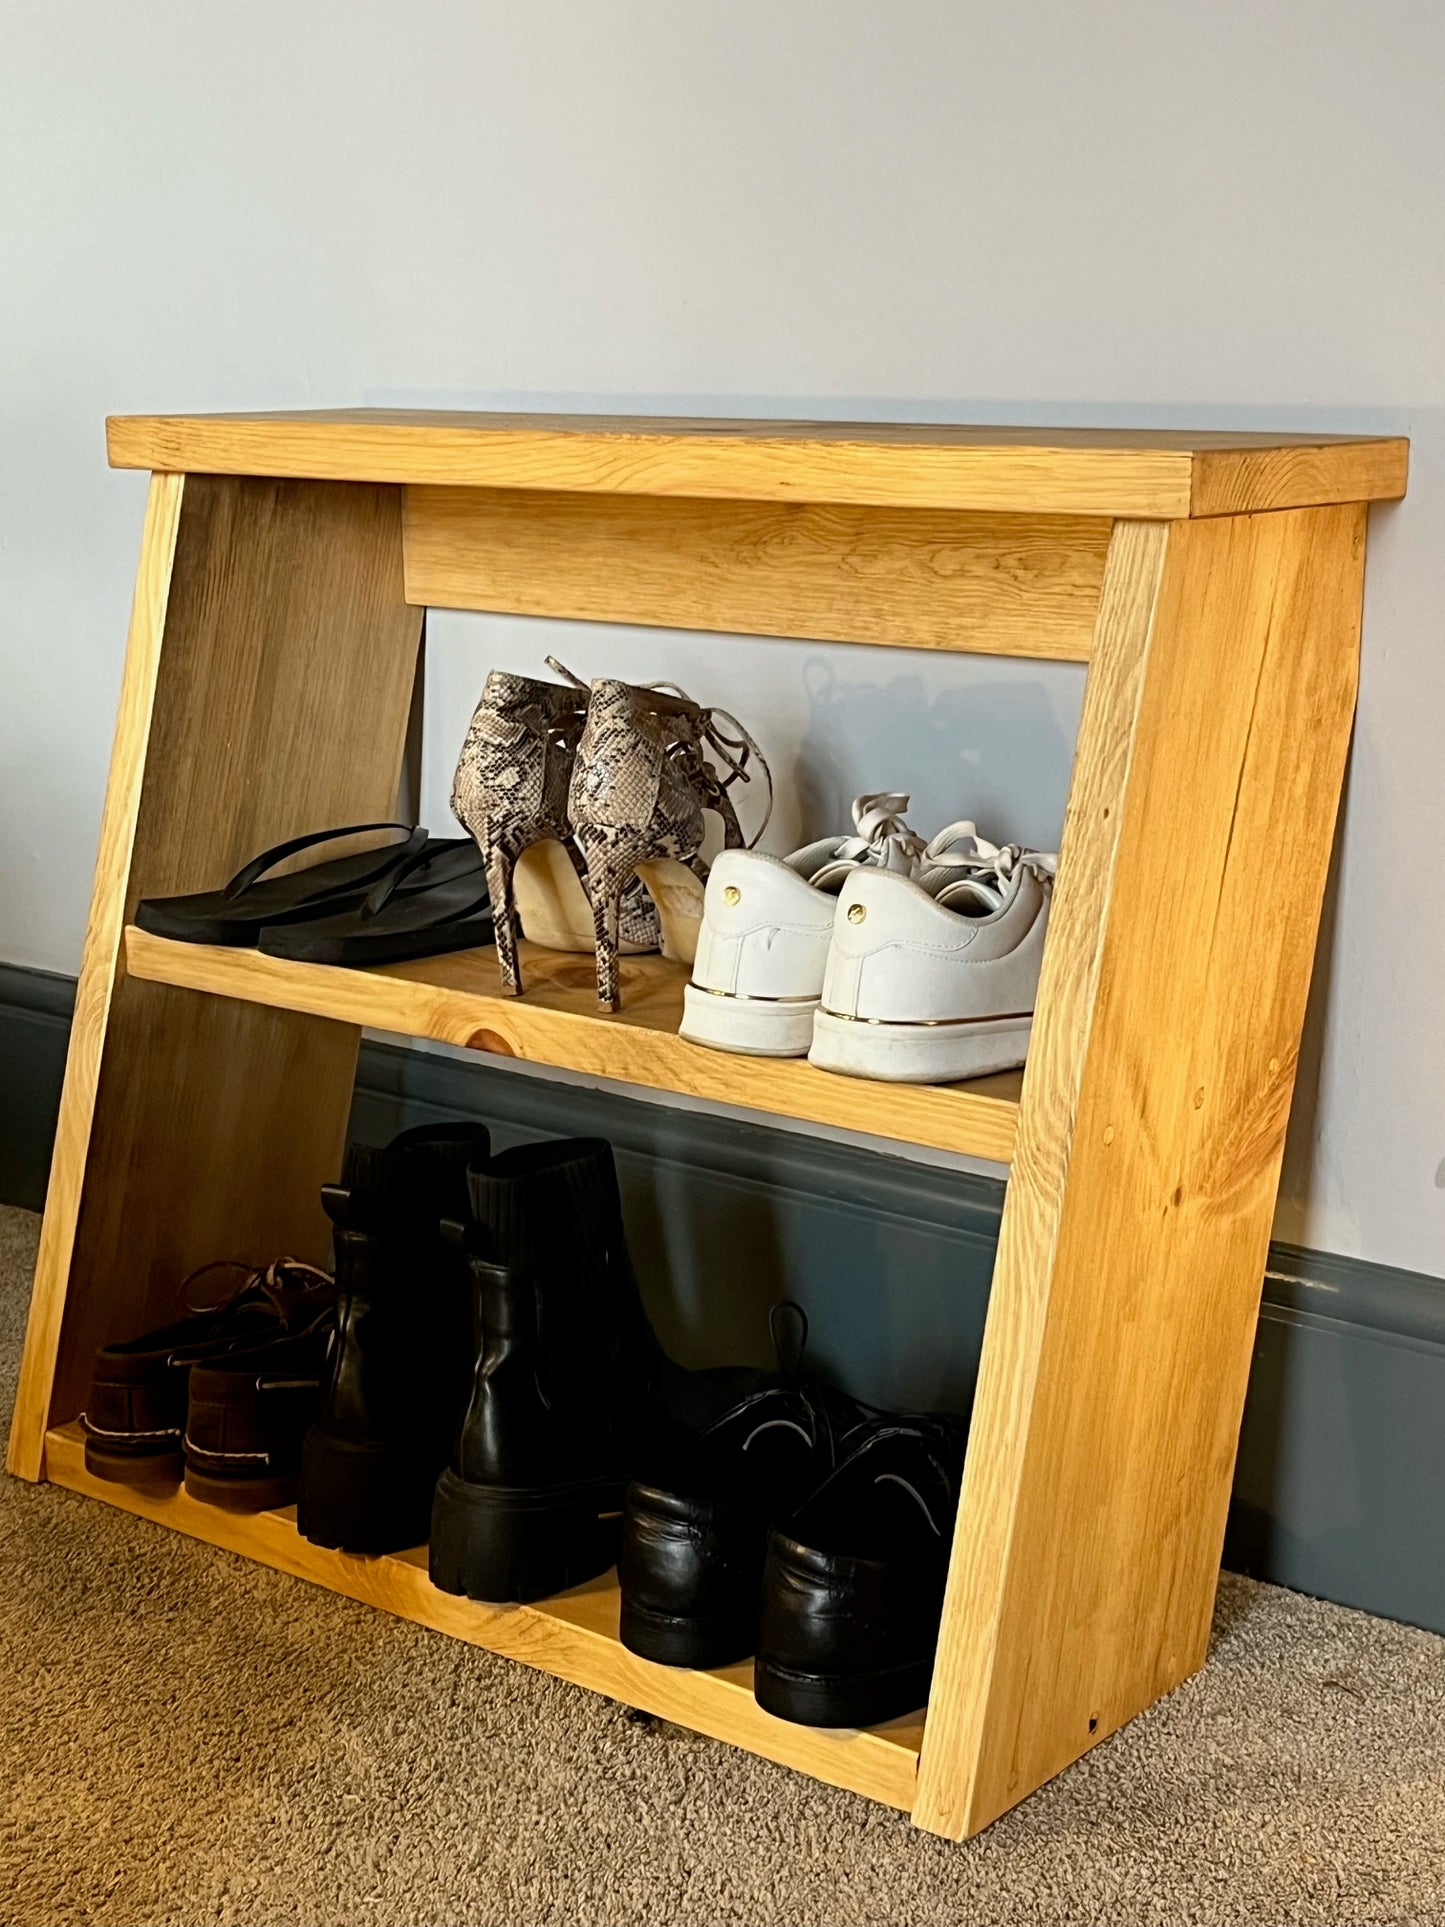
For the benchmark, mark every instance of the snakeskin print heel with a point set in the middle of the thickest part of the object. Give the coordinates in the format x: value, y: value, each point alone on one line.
x: 510, y: 791
x: 510, y: 787
x: 640, y: 785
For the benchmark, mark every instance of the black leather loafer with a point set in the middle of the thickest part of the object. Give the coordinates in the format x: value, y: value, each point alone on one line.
x: 693, y: 1543
x: 853, y: 1582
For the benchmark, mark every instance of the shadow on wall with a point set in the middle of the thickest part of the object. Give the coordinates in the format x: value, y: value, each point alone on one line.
x: 964, y: 736
x: 1301, y: 1145
x: 895, y: 1311
x: 891, y: 1262
x: 960, y: 751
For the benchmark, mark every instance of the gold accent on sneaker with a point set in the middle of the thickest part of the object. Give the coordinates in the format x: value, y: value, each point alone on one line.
x: 732, y: 894
x: 924, y: 1023
x: 742, y: 997
x: 857, y: 912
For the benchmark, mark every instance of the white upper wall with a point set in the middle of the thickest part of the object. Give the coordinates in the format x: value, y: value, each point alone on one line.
x: 1152, y: 212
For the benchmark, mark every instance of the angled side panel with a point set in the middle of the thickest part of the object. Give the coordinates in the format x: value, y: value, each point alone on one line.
x: 266, y: 694
x: 100, y: 961
x: 1153, y: 1112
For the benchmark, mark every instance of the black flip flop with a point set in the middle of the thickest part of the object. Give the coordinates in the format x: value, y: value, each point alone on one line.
x: 434, y: 901
x: 236, y: 914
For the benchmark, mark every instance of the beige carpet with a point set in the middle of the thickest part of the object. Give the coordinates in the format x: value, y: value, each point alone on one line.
x: 187, y: 1738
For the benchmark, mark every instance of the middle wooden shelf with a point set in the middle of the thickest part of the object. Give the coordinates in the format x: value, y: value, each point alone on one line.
x: 458, y: 999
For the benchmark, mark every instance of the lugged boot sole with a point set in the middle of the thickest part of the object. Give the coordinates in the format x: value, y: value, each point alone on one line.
x: 367, y: 1499
x: 511, y: 1543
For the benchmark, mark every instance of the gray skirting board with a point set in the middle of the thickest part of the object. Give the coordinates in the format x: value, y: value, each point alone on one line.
x: 1340, y: 1487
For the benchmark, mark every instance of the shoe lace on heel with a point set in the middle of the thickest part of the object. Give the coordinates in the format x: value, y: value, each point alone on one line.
x: 734, y: 752
x: 288, y: 1293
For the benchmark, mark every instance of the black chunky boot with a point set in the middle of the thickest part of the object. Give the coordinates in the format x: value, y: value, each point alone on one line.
x: 397, y: 1378
x: 572, y: 1396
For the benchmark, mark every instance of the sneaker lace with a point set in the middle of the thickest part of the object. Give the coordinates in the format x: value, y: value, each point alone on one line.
x: 883, y: 836
x: 960, y: 849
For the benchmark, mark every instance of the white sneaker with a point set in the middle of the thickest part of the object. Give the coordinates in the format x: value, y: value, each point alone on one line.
x: 933, y: 977
x: 766, y: 926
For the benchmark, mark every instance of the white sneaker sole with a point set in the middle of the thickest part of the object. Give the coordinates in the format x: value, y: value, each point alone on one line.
x: 749, y: 1026
x: 918, y: 1053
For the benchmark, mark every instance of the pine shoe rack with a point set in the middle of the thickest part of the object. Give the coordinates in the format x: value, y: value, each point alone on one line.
x: 1213, y: 585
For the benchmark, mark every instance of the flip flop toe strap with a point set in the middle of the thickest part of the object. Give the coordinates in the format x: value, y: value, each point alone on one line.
x: 253, y: 871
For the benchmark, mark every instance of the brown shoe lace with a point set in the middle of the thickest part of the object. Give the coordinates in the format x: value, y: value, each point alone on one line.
x: 292, y: 1286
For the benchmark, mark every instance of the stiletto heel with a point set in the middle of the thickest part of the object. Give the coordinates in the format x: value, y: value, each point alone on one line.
x: 504, y: 919
x: 510, y: 786
x: 606, y: 893
x: 611, y: 857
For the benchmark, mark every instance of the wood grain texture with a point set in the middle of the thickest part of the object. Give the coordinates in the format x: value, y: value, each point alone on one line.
x: 573, y: 1637
x: 992, y: 584
x: 459, y: 1000
x: 100, y: 959
x: 1151, y: 1131
x: 1108, y: 472
x: 1237, y: 481
x: 278, y: 703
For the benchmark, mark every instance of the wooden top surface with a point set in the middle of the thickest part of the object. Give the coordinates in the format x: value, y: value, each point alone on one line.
x: 1146, y: 473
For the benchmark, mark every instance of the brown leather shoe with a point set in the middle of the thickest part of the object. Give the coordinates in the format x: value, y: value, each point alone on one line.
x: 135, y: 1414
x: 249, y: 1410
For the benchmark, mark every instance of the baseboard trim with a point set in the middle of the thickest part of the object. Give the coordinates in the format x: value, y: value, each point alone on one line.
x: 1337, y: 1489
x: 35, y: 1013
x: 443, y: 1085
x: 37, y: 992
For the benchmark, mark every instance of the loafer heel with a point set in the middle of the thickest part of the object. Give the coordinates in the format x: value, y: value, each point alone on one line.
x: 229, y: 1493
x: 672, y: 1639
x: 144, y: 1471
x: 820, y: 1699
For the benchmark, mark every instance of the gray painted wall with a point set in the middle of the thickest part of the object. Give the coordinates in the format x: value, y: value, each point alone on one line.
x: 1105, y: 211
x: 1338, y: 1490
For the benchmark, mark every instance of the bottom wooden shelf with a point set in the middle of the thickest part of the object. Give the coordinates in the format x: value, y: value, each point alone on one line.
x: 574, y: 1636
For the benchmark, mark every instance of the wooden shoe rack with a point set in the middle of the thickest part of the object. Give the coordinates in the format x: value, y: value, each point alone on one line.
x: 1213, y: 585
